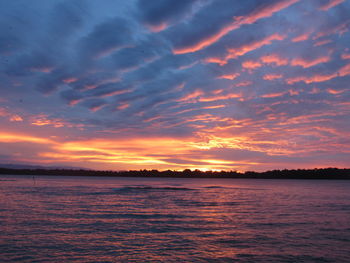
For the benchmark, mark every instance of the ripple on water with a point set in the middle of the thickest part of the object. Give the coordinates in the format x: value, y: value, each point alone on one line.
x: 165, y: 220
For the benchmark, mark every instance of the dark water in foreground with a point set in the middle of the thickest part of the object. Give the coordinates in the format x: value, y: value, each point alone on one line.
x: 79, y: 219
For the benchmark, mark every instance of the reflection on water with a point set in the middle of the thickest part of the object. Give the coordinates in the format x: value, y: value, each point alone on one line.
x: 78, y: 219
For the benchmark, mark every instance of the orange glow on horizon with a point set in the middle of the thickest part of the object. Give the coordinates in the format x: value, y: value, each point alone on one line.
x: 155, y: 153
x: 13, y: 138
x: 162, y: 153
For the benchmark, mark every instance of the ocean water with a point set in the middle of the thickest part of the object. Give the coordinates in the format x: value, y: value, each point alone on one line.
x: 98, y: 219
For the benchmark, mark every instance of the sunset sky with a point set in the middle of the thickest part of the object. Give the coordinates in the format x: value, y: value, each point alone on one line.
x: 175, y: 84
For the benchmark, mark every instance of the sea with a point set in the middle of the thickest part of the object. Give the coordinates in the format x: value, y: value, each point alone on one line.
x: 120, y: 219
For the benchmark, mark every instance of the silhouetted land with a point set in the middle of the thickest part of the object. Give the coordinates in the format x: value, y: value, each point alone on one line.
x: 326, y: 173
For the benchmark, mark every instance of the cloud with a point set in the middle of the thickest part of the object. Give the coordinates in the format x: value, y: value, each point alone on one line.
x: 160, y: 14
x: 250, y: 64
x: 106, y: 38
x: 272, y: 76
x: 237, y: 20
x: 229, y: 84
x: 342, y: 72
x: 330, y: 4
x: 274, y: 59
x: 309, y: 63
x: 235, y: 52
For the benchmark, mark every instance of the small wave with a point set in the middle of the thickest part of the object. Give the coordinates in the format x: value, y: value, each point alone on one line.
x: 7, y: 180
x: 153, y: 188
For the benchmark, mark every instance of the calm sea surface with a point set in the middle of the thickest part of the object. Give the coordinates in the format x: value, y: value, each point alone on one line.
x: 96, y: 219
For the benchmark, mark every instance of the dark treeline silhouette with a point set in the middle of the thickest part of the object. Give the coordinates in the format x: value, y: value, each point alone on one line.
x: 324, y: 173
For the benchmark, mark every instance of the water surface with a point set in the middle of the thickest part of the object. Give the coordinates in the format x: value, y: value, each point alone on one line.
x: 99, y: 219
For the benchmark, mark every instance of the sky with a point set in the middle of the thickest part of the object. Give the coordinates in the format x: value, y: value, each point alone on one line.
x: 168, y: 84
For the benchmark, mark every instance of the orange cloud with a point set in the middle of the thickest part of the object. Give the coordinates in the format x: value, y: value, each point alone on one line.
x: 3, y: 112
x: 250, y: 64
x: 293, y: 92
x: 215, y: 107
x: 229, y: 76
x: 157, y: 28
x: 272, y: 76
x: 301, y: 37
x: 123, y: 106
x: 15, y: 137
x: 191, y: 96
x: 266, y: 11
x: 74, y: 102
x: 70, y: 80
x: 42, y: 120
x: 96, y: 108
x: 274, y: 59
x: 11, y: 116
x: 338, y: 29
x: 42, y: 69
x: 243, y: 83
x: 221, y: 97
x: 335, y: 92
x: 216, y: 60
x: 309, y: 63
x: 308, y: 80
x: 115, y: 92
x: 273, y: 95
x: 16, y: 118
x: 240, y: 51
x: 322, y: 42
x: 342, y: 72
x: 330, y: 4
x: 345, y: 56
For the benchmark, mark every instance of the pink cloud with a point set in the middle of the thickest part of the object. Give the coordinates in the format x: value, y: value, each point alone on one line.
x: 250, y: 64
x: 301, y: 37
x: 16, y: 118
x: 274, y: 59
x: 342, y: 72
x: 229, y: 76
x: 264, y: 12
x: 273, y: 95
x: 330, y: 4
x: 272, y: 76
x: 242, y: 50
x: 307, y: 63
x: 345, y: 56
x: 157, y: 28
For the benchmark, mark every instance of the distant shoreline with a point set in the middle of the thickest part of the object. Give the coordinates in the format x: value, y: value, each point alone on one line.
x: 324, y: 173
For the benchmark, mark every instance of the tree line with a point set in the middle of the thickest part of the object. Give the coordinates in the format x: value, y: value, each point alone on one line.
x: 321, y: 173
